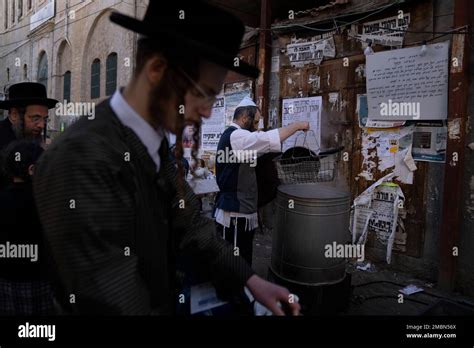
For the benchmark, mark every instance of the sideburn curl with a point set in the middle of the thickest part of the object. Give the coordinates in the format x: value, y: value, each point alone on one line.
x: 160, y: 96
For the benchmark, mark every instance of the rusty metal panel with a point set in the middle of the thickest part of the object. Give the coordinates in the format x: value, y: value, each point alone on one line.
x: 247, y: 54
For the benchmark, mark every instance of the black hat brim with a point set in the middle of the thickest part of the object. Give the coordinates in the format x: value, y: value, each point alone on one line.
x: 210, y: 53
x: 8, y: 104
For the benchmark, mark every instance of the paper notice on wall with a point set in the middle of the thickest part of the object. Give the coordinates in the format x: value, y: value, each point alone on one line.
x: 329, y: 49
x: 376, y: 211
x: 429, y: 142
x: 387, y: 31
x: 188, y: 137
x: 384, y: 124
x: 303, y: 110
x: 408, y: 84
x: 275, y: 64
x: 213, y: 127
x: 303, y: 53
x: 231, y: 102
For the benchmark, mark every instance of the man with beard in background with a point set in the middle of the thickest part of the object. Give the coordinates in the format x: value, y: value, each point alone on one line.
x: 27, y: 107
x: 115, y: 211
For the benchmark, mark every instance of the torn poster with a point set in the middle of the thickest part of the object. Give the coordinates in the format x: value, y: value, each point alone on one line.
x: 213, y: 127
x: 361, y: 213
x: 391, y: 146
x: 369, y: 155
x: 303, y: 53
x: 429, y: 142
x: 383, y: 31
x: 404, y: 166
x: 387, y: 200
x: 376, y: 211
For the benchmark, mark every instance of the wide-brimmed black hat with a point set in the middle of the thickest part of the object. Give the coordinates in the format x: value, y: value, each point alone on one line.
x: 201, y: 28
x: 27, y: 93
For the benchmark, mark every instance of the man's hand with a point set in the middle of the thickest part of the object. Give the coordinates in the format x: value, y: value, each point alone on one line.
x: 288, y: 131
x: 269, y: 294
x: 302, y: 126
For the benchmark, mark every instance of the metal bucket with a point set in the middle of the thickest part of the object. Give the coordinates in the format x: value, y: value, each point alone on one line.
x: 309, y: 217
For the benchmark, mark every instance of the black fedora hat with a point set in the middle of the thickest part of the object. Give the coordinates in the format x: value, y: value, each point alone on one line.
x: 27, y: 93
x: 200, y: 27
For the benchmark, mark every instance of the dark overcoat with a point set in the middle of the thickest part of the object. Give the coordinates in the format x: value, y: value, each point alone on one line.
x: 114, y: 227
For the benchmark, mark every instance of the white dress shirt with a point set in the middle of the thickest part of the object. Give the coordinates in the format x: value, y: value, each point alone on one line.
x: 262, y: 142
x: 149, y: 136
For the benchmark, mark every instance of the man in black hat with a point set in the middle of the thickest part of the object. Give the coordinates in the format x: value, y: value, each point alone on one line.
x: 115, y: 210
x: 27, y: 107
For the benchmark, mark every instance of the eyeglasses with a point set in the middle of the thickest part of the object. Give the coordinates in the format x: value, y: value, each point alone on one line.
x: 38, y: 118
x: 209, y: 100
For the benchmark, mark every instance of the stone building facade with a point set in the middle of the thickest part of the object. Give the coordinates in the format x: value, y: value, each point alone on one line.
x: 69, y: 45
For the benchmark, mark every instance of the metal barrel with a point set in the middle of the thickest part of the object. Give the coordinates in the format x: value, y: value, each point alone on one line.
x: 308, y: 218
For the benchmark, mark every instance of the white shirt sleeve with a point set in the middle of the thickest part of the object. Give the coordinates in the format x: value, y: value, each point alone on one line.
x: 262, y: 142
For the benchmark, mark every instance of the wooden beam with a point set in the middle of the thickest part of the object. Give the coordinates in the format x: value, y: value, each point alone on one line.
x: 264, y: 59
x: 457, y: 119
x: 250, y: 19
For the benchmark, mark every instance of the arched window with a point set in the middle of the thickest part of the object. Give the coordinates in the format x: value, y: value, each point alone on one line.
x: 111, y: 74
x: 20, y: 9
x: 13, y: 11
x: 6, y: 14
x: 43, y: 70
x: 67, y: 86
x: 95, y: 79
x: 25, y: 72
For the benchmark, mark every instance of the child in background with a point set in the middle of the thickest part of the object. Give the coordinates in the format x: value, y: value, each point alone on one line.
x: 24, y: 286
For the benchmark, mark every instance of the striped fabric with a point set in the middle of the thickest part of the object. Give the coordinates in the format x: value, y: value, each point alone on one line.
x: 33, y: 298
x: 99, y: 196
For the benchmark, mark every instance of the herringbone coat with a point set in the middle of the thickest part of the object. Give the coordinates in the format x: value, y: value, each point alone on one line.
x: 113, y: 226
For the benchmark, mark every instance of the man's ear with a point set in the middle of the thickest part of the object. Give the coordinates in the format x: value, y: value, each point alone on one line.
x: 31, y: 170
x: 155, y: 68
x: 14, y: 115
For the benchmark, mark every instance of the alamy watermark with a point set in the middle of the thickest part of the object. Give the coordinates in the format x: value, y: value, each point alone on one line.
x: 411, y: 109
x: 76, y: 109
x: 345, y: 251
x: 237, y: 156
x: 28, y: 330
x: 19, y: 251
